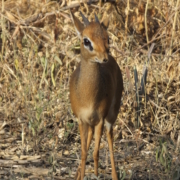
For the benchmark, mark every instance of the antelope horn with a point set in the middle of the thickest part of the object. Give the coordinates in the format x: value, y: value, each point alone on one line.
x: 86, y: 22
x: 96, y: 18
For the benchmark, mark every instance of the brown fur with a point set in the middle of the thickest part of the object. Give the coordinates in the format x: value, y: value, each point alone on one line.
x: 95, y: 93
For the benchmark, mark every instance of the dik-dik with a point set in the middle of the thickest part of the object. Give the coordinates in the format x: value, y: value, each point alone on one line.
x: 95, y: 90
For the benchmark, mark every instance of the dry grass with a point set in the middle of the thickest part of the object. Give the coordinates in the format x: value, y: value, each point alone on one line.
x: 39, y: 136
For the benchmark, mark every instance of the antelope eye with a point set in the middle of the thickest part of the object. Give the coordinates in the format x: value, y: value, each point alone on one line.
x: 87, y: 43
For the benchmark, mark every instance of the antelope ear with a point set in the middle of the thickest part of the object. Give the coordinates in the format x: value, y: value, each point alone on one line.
x: 105, y: 23
x: 77, y: 24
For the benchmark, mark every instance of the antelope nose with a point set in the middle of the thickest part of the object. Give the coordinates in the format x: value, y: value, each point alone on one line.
x: 105, y: 60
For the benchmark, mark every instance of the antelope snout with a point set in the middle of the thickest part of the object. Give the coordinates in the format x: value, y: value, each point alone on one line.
x: 105, y: 60
x: 102, y: 58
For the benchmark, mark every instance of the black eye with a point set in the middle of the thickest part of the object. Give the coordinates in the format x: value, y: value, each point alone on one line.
x: 87, y: 43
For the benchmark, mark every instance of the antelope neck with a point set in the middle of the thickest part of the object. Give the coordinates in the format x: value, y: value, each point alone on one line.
x: 90, y: 80
x: 90, y: 71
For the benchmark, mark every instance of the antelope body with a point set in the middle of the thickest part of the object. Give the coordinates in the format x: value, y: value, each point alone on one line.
x: 95, y: 90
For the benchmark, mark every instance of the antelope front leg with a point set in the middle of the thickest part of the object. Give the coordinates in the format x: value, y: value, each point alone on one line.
x: 90, y: 136
x: 110, y: 143
x: 83, y: 128
x: 97, y: 134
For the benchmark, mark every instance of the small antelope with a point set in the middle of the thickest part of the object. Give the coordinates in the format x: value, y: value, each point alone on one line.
x: 95, y: 90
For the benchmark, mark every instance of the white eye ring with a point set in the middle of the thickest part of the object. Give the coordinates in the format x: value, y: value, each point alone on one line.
x: 87, y: 44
